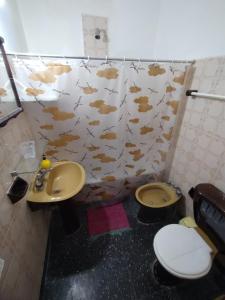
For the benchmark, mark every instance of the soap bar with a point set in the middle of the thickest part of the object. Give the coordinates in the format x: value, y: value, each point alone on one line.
x: 188, y: 222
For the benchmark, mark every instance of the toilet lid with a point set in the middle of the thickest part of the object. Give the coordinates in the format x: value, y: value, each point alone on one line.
x: 182, y: 251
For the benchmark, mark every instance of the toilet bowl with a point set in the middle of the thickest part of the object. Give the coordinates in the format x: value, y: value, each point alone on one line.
x: 182, y: 251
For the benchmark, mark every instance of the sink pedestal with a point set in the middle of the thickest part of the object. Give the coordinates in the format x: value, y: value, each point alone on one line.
x: 69, y: 216
x: 68, y: 212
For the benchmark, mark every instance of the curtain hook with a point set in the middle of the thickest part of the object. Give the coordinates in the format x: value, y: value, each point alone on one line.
x: 39, y: 57
x: 106, y: 59
x: 173, y: 62
x: 16, y: 58
x: 88, y: 59
x: 139, y: 61
x: 16, y: 61
x: 65, y: 59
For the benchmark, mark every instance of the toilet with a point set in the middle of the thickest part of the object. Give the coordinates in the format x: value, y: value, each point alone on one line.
x: 188, y: 253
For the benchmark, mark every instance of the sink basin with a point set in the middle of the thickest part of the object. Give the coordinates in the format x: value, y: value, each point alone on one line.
x: 64, y: 181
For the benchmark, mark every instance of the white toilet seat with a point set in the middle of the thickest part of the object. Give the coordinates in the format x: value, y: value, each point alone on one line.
x: 182, y: 251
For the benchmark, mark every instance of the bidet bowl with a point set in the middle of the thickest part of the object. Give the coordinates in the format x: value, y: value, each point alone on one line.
x: 156, y: 195
x: 157, y: 201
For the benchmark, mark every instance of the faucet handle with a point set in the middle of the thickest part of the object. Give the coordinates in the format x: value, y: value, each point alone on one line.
x: 44, y: 171
x: 14, y: 174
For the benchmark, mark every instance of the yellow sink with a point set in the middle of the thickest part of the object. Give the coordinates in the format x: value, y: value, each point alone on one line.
x: 64, y: 181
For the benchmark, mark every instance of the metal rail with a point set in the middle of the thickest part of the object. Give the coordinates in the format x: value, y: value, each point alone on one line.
x: 102, y: 58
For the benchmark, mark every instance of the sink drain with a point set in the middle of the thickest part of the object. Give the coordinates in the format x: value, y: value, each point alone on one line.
x: 56, y: 191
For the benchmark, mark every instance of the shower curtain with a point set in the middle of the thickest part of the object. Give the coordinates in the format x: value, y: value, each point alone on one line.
x: 115, y: 118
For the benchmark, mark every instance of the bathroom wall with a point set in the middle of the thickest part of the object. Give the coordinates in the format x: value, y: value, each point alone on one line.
x: 200, y: 151
x: 11, y: 28
x: 133, y: 27
x: 147, y: 28
x: 62, y: 21
x: 190, y: 29
x: 56, y: 26
x: 23, y: 234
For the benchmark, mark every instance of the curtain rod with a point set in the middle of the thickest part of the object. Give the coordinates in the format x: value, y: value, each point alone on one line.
x: 195, y: 93
x: 102, y: 58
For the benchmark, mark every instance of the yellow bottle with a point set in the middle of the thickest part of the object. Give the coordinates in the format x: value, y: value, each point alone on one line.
x: 45, y: 163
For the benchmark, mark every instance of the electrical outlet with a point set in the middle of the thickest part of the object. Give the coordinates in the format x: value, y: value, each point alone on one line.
x: 1, y: 266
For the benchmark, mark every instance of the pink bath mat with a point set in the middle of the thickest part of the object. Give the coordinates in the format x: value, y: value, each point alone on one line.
x: 106, y: 219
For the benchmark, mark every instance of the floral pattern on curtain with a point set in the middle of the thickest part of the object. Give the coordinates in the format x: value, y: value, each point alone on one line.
x: 115, y: 118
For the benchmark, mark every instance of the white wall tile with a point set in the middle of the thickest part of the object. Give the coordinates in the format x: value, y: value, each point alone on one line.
x: 190, y: 134
x: 221, y: 87
x: 194, y: 166
x: 215, y: 108
x: 211, y: 160
x: 221, y: 129
x: 203, y: 177
x: 217, y: 147
x: 195, y: 119
x: 210, y: 69
x: 199, y: 153
x: 210, y: 124
x: 198, y: 105
x: 222, y: 171
x: 204, y: 141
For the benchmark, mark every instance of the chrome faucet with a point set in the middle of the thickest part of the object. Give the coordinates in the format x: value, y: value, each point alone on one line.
x: 39, y: 179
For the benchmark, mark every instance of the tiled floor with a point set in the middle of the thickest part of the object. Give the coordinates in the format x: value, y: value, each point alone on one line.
x: 114, y: 266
